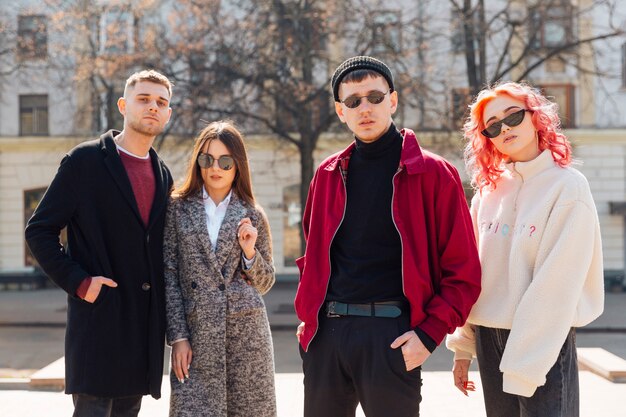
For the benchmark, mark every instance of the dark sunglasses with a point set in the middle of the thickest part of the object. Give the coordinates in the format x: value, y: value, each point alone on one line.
x: 511, y: 120
x: 375, y: 97
x: 225, y: 162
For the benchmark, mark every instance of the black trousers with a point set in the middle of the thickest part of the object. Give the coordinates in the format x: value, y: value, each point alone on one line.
x: 90, y: 406
x: 350, y: 361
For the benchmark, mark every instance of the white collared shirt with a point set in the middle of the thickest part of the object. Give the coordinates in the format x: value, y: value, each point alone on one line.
x: 214, y: 215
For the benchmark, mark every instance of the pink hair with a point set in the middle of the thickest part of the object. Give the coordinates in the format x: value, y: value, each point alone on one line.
x: 483, y: 160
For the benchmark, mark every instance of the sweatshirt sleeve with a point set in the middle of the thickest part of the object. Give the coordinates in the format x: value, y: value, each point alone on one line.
x: 462, y: 342
x: 569, y: 260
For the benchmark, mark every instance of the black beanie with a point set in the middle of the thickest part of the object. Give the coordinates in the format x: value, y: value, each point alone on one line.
x: 360, y: 63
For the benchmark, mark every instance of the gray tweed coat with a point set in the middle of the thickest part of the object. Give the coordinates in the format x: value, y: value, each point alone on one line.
x: 217, y: 306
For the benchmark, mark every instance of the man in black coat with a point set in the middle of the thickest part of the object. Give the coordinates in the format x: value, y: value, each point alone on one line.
x: 112, y: 195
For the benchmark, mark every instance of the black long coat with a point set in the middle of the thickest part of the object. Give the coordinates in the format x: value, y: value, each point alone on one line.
x: 113, y: 347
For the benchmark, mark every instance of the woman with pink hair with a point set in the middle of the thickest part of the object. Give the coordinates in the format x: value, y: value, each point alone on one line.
x: 539, y: 244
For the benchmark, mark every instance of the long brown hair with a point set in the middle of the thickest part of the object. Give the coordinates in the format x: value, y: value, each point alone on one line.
x: 226, y: 132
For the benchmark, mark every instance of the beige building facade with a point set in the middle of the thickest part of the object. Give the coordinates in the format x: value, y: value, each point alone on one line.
x: 40, y: 120
x: 27, y: 165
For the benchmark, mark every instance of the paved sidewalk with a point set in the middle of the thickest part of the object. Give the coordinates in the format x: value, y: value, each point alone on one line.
x: 32, y: 325
x: 599, y: 398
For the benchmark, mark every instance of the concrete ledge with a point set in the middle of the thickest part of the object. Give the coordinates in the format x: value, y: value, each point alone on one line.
x: 14, y: 384
x: 51, y: 377
x: 603, y: 363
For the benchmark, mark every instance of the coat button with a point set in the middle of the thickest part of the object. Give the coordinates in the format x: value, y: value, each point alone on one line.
x: 147, y: 238
x: 194, y: 285
x: 222, y: 287
x: 145, y: 286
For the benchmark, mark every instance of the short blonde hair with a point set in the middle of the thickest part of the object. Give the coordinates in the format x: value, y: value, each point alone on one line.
x: 151, y: 76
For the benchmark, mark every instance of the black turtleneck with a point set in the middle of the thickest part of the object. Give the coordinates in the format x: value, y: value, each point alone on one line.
x: 366, y: 253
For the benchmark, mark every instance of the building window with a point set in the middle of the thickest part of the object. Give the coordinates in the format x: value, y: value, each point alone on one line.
x: 624, y: 65
x: 553, y: 26
x: 386, y: 34
x: 31, y: 200
x: 34, y: 115
x: 300, y: 27
x: 460, y: 101
x: 32, y: 37
x: 292, y: 219
x: 563, y: 96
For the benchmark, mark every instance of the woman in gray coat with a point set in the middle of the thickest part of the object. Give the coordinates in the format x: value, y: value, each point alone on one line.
x: 218, y: 263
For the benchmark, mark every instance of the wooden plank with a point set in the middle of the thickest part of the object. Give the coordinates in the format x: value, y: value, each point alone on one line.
x: 603, y: 363
x: 50, y: 377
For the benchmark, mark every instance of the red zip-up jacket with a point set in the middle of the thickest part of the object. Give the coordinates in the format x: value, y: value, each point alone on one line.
x: 440, y: 266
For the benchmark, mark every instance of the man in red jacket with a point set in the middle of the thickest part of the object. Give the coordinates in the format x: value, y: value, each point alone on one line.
x: 390, y: 264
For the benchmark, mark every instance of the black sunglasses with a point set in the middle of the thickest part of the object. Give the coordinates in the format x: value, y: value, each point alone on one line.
x: 225, y: 162
x: 375, y: 97
x: 511, y: 120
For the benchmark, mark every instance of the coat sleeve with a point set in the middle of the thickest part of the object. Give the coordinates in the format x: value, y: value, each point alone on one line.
x: 458, y: 285
x: 55, y: 211
x: 174, y: 304
x: 261, y: 273
x: 568, y: 264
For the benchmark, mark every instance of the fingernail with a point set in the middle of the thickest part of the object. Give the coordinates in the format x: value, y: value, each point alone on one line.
x: 181, y: 381
x: 189, y: 367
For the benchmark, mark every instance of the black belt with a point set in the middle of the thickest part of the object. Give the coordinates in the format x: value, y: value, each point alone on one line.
x: 381, y: 309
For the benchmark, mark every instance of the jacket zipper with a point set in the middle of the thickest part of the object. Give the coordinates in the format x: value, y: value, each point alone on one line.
x: 345, y: 193
x: 393, y: 219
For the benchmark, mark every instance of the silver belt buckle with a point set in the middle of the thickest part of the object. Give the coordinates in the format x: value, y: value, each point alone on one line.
x: 331, y: 306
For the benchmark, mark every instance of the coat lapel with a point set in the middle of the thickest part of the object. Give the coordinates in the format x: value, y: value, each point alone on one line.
x: 161, y: 191
x: 196, y: 215
x: 227, y: 236
x: 118, y: 172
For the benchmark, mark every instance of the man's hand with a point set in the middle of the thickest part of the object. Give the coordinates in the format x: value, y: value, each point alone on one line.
x: 299, y: 331
x: 181, y: 359
x: 460, y: 370
x: 96, y: 285
x: 413, y: 350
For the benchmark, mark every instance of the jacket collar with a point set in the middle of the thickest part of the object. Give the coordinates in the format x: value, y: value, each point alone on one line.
x: 529, y: 169
x: 411, y: 157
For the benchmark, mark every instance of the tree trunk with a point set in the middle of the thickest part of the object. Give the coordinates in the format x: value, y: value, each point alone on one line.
x: 470, y: 50
x: 482, y: 46
x: 109, y: 108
